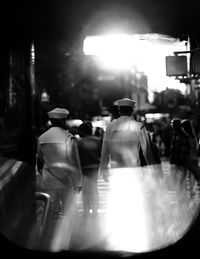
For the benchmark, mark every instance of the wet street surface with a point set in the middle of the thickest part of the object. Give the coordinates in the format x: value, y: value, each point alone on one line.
x: 139, y: 211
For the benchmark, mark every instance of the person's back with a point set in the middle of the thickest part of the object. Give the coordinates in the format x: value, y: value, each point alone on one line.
x: 57, y: 151
x: 89, y: 147
x: 124, y: 142
x: 56, y: 146
x: 61, y: 173
x: 123, y: 139
x: 89, y: 150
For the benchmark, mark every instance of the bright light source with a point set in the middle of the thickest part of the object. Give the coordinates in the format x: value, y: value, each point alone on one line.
x: 156, y: 116
x: 113, y: 51
x: 145, y: 52
x: 107, y: 45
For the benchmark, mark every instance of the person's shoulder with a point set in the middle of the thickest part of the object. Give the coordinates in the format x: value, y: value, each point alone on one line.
x: 44, y: 135
x: 137, y: 124
x: 111, y: 124
x: 70, y: 135
x: 94, y: 138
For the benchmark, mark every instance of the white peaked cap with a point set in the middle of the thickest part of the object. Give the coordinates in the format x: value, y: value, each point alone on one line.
x: 58, y: 113
x: 126, y: 102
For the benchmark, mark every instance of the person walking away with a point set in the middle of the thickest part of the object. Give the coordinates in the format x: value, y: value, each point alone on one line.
x: 61, y: 174
x: 90, y: 150
x: 154, y: 148
x: 123, y: 139
x: 120, y: 166
x: 179, y: 151
x: 179, y: 148
x: 58, y: 152
x: 192, y: 163
x: 99, y: 132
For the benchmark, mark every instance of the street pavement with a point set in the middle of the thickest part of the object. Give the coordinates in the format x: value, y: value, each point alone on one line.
x: 139, y: 211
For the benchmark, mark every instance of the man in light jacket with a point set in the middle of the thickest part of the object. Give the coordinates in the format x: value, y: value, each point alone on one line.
x: 123, y: 139
x: 58, y: 152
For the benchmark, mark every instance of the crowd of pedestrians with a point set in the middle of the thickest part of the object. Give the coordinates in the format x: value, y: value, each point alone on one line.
x: 67, y: 163
x: 70, y: 164
x: 65, y: 160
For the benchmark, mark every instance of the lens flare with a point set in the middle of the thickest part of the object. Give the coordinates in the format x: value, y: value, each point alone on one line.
x: 126, y: 227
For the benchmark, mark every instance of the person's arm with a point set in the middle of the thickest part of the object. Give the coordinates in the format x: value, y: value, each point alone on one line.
x: 75, y: 165
x: 145, y: 145
x: 105, y: 156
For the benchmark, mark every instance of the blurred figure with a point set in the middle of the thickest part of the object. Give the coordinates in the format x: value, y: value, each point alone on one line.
x: 99, y: 133
x: 180, y: 146
x: 179, y: 150
x: 122, y: 140
x: 155, y: 153
x: 166, y: 136
x: 192, y: 162
x: 154, y: 148
x: 89, y: 123
x: 90, y: 150
x: 138, y: 117
x: 114, y: 111
x: 58, y: 155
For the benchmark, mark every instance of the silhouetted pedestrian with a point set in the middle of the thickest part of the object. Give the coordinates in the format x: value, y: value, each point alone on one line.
x: 193, y: 159
x: 90, y: 150
x: 123, y: 139
x: 180, y: 146
x: 58, y: 155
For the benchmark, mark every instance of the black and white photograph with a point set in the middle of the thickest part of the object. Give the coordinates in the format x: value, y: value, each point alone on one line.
x: 100, y: 128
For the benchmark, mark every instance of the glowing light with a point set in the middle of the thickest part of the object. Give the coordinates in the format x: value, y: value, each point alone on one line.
x: 145, y: 52
x: 144, y: 210
x: 74, y: 122
x: 45, y: 96
x: 32, y: 53
x: 112, y: 51
x: 156, y: 116
x: 64, y: 227
x: 126, y: 224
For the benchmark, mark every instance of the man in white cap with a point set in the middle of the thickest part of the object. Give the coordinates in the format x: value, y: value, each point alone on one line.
x: 123, y: 139
x: 57, y: 150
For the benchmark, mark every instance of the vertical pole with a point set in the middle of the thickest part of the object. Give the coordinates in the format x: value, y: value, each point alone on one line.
x: 29, y: 134
x: 129, y: 85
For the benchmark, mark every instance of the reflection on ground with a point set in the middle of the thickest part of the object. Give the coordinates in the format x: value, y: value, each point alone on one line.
x: 139, y: 210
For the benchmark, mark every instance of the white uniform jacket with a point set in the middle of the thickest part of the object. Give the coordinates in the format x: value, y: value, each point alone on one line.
x: 57, y: 149
x: 122, y: 140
